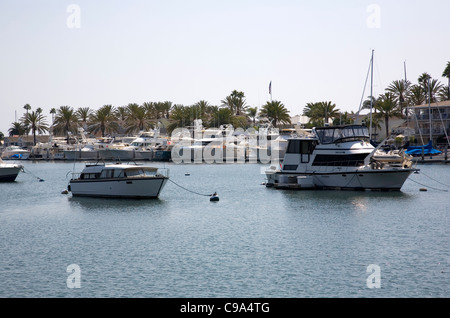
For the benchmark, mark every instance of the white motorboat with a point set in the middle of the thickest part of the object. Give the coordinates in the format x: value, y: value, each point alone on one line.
x: 15, y: 153
x: 9, y: 171
x: 337, y: 157
x: 118, y: 181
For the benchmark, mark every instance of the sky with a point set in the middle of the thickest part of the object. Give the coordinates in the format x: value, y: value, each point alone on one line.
x: 108, y: 52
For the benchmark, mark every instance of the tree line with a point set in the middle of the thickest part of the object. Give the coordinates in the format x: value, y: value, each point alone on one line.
x: 133, y: 118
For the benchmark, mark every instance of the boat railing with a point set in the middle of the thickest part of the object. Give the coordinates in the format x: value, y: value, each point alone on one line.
x: 75, y: 175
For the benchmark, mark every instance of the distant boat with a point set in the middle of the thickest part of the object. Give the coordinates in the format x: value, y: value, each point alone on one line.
x: 426, y: 150
x: 9, y: 171
x: 118, y: 181
x: 15, y: 153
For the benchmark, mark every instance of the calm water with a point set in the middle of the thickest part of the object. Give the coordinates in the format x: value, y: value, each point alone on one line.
x: 254, y: 242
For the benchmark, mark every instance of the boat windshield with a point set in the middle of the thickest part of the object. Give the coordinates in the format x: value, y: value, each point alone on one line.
x: 329, y: 135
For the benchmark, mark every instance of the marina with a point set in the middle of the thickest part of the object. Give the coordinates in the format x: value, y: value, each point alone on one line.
x: 254, y: 242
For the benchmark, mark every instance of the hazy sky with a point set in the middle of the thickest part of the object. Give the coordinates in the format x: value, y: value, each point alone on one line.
x: 98, y: 52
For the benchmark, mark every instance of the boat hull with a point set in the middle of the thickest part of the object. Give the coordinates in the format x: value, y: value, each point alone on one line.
x: 386, y: 180
x: 9, y: 174
x: 138, y: 188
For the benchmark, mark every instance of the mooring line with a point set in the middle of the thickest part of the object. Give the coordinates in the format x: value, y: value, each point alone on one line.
x: 205, y: 195
x: 434, y: 179
x: 443, y: 190
x: 29, y: 172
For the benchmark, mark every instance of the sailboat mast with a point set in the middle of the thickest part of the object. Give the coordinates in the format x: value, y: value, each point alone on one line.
x: 371, y: 95
x: 429, y: 106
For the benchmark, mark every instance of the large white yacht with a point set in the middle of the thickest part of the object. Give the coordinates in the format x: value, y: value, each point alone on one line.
x: 118, y: 181
x: 337, y: 157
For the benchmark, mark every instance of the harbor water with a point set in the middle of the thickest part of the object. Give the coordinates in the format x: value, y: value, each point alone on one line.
x: 254, y: 242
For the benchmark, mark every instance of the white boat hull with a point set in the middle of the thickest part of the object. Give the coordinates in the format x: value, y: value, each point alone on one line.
x: 139, y: 188
x: 8, y: 173
x: 386, y: 180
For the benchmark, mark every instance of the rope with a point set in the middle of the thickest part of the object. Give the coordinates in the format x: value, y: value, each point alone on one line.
x: 29, y: 172
x: 435, y: 180
x: 205, y: 195
x: 428, y: 186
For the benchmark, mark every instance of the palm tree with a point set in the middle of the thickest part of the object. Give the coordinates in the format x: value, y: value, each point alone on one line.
x: 345, y: 118
x: 65, y: 120
x: 444, y: 93
x: 17, y: 128
x: 416, y: 95
x: 121, y: 114
x: 320, y: 113
x: 53, y: 112
x: 36, y: 122
x: 400, y: 89
x: 387, y: 108
x: 150, y: 109
x: 166, y: 107
x: 276, y: 113
x: 252, y: 112
x: 181, y: 116
x: 82, y: 114
x: 446, y: 74
x: 137, y: 118
x: 435, y: 87
x: 27, y: 107
x: 103, y: 120
x: 235, y: 102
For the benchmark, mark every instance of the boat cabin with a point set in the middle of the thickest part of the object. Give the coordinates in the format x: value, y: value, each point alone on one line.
x: 117, y: 171
x: 327, y: 148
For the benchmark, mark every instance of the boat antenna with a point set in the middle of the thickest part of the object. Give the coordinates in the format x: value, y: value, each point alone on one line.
x: 371, y: 96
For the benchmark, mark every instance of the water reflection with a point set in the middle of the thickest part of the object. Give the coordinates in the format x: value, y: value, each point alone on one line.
x: 116, y: 205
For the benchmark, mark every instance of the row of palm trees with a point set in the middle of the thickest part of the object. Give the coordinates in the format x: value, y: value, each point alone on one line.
x: 133, y: 118
x: 394, y: 102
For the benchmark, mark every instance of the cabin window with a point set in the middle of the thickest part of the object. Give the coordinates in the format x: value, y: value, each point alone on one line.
x: 290, y: 167
x: 107, y: 174
x: 118, y: 173
x: 85, y: 176
x: 305, y: 147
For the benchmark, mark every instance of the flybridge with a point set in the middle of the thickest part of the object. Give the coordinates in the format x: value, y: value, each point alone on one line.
x: 334, y: 134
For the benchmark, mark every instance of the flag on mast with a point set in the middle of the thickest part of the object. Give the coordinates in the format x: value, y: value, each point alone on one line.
x: 270, y: 88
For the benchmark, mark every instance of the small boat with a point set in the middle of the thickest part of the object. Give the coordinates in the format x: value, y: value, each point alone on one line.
x: 9, y: 171
x: 118, y: 181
